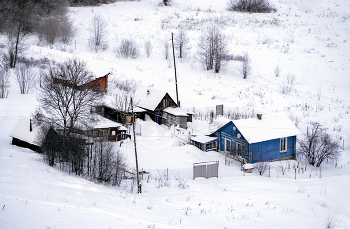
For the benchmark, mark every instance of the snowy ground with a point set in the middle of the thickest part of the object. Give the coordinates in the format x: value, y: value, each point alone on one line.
x: 310, y: 40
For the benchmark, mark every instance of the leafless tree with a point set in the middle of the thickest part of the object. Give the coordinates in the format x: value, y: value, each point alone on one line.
x: 166, y: 49
x: 98, y: 33
x: 122, y: 105
x: 56, y: 28
x: 4, y: 83
x: 251, y: 6
x: 108, y: 164
x: 261, y: 167
x: 277, y: 70
x: 25, y: 78
x: 318, y: 146
x: 66, y: 105
x: 128, y: 49
x: 282, y: 167
x: 148, y: 48
x: 212, y: 48
x: 13, y: 50
x: 246, y: 68
x: 182, y: 42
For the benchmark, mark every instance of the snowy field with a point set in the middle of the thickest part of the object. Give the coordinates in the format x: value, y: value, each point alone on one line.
x: 309, y: 40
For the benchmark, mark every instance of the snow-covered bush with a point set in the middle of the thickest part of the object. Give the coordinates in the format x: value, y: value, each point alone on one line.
x: 4, y: 83
x: 251, y: 6
x: 128, y: 49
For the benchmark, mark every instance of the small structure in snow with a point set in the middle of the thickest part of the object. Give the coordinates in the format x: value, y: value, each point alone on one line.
x: 25, y: 134
x: 107, y: 130
x: 175, y: 116
x: 205, y: 143
x: 248, y: 168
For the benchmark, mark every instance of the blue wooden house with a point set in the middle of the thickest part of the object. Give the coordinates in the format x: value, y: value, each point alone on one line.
x: 265, y: 138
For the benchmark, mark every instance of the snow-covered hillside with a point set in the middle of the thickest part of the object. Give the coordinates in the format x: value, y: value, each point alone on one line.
x: 309, y: 40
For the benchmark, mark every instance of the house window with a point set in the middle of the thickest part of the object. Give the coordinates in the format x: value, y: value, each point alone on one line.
x: 239, y: 149
x: 228, y: 145
x: 113, y: 132
x: 211, y: 145
x: 283, y: 145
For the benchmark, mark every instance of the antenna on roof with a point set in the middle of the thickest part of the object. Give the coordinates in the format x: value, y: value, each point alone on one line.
x: 177, y: 96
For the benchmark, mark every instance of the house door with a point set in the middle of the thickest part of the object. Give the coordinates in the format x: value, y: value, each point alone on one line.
x: 159, y: 118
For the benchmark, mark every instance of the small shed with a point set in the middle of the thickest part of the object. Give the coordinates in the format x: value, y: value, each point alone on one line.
x: 107, y: 130
x: 25, y: 134
x: 247, y: 168
x: 175, y: 116
x: 204, y: 143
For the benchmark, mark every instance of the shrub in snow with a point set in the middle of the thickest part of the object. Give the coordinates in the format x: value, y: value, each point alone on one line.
x: 128, y: 49
x: 261, y: 167
x: 148, y: 48
x: 25, y: 78
x: 251, y: 6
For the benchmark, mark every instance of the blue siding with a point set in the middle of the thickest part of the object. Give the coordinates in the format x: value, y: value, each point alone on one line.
x: 257, y: 152
x: 270, y: 150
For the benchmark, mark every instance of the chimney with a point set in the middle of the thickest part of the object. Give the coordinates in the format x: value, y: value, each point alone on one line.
x: 30, y: 125
x: 259, y: 116
x: 148, y: 92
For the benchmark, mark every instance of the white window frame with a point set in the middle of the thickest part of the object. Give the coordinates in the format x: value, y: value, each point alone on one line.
x: 282, y: 150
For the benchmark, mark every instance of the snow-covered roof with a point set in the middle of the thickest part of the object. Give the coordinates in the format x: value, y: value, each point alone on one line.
x: 105, y: 123
x: 271, y: 126
x: 175, y: 111
x: 203, y: 139
x: 22, y: 131
x: 109, y: 101
x: 148, y: 97
x: 248, y: 166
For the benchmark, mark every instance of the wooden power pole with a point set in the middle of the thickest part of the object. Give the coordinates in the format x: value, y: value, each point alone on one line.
x: 177, y: 96
x: 137, y: 164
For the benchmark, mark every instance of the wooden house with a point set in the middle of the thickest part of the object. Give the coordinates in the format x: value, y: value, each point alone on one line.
x: 98, y: 84
x: 175, y: 116
x: 25, y: 134
x: 153, y: 101
x: 265, y: 138
x: 107, y: 130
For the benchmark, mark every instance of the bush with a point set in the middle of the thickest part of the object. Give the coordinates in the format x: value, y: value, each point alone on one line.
x: 251, y: 6
x: 128, y: 49
x: 25, y: 78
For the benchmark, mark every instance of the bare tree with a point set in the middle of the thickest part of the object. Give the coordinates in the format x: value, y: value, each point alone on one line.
x: 25, y: 78
x: 128, y: 49
x: 56, y: 28
x: 108, y: 164
x: 122, y: 105
x: 98, y: 33
x: 261, y: 167
x: 318, y: 146
x: 4, y: 83
x: 166, y: 49
x: 182, y: 42
x: 212, y: 48
x: 148, y: 48
x: 13, y: 50
x: 246, y: 68
x: 67, y: 106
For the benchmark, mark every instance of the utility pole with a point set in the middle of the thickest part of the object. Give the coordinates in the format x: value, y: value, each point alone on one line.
x: 137, y: 164
x: 177, y: 96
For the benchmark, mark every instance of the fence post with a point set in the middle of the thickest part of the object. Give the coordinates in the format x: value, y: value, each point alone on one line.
x: 295, y: 169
